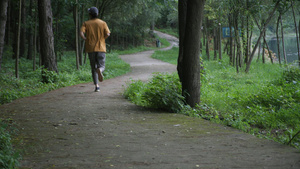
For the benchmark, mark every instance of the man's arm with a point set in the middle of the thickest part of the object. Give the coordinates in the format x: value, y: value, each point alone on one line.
x: 82, y: 35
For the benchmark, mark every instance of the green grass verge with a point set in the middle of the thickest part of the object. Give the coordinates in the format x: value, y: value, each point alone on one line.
x: 264, y: 102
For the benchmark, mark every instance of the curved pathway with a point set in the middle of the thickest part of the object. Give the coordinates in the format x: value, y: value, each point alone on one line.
x: 76, y: 128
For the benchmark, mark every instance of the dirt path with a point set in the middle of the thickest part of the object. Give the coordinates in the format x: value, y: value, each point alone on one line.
x: 74, y: 127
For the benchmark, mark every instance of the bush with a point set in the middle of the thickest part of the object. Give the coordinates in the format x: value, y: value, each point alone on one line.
x: 162, y: 92
x: 8, y: 157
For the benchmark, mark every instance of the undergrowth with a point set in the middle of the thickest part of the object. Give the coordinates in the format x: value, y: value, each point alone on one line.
x: 9, y: 158
x: 163, y: 92
x: 264, y: 102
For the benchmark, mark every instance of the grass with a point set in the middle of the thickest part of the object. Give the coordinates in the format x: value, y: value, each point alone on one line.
x: 164, y: 43
x: 167, y: 56
x: 264, y: 102
x: 30, y: 82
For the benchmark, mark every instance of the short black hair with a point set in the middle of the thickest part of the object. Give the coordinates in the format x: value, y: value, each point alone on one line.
x: 94, y: 15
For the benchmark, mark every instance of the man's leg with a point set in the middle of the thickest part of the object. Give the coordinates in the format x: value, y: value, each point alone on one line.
x: 92, y: 57
x: 100, y: 59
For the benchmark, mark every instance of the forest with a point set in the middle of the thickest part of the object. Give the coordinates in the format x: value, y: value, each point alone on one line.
x: 40, y: 50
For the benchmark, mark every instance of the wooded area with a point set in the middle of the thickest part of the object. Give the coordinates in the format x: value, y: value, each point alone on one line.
x: 43, y: 30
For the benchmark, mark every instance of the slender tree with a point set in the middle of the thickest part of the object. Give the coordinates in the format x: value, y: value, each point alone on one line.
x: 23, y: 29
x: 282, y: 39
x: 3, y: 18
x: 261, y: 34
x: 46, y: 35
x: 18, y: 42
x: 30, y: 30
x: 77, y: 33
x: 278, y: 42
x: 220, y: 41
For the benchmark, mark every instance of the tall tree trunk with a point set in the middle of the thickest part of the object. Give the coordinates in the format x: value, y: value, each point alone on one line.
x: 261, y: 34
x: 8, y: 22
x: 207, y: 39
x: 215, y: 44
x: 298, y: 47
x: 76, y: 34
x: 46, y: 35
x: 30, y: 32
x: 18, y: 42
x: 248, y: 45
x: 282, y: 38
x: 220, y: 41
x: 35, y: 37
x: 277, y: 36
x: 237, y: 40
x: 231, y: 60
x: 23, y: 30
x: 191, y: 61
x: 263, y: 47
x: 3, y: 18
x: 182, y: 12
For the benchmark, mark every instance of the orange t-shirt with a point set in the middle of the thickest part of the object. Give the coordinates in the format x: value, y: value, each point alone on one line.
x: 96, y: 32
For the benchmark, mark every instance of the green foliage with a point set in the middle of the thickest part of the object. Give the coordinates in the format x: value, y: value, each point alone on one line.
x: 8, y: 157
x: 49, y: 76
x: 291, y: 74
x: 163, y: 92
x: 264, y: 102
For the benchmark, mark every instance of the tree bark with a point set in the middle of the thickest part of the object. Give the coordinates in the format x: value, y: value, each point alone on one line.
x: 237, y: 39
x: 76, y: 34
x: 182, y: 10
x: 215, y: 43
x: 277, y: 36
x: 8, y: 22
x: 30, y: 32
x: 23, y: 30
x: 46, y: 35
x: 220, y: 41
x: 18, y: 42
x: 263, y: 48
x: 231, y: 60
x: 191, y: 61
x: 3, y: 18
x: 207, y: 38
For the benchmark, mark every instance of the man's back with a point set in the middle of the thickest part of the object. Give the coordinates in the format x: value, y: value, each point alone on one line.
x: 96, y: 32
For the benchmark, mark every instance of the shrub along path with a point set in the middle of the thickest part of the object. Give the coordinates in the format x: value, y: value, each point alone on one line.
x: 74, y: 127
